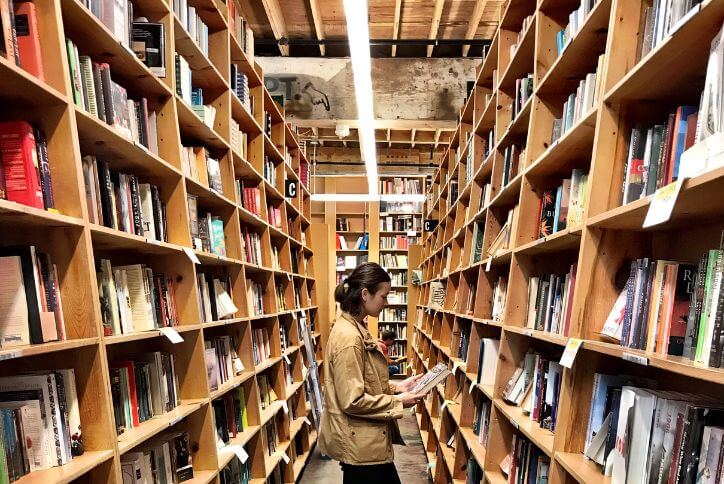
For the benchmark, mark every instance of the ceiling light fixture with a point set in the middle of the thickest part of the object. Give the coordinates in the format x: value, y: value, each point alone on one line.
x: 355, y: 11
x: 364, y: 197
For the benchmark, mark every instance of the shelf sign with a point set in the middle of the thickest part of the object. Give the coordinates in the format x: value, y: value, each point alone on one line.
x: 569, y: 354
x: 641, y: 360
x: 290, y: 188
x: 430, y: 225
x: 171, y: 334
x: 238, y: 451
x: 662, y: 204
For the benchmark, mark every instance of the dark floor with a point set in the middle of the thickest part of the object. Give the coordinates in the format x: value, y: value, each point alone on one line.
x: 410, y: 460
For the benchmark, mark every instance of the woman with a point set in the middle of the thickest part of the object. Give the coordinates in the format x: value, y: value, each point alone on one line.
x: 360, y: 404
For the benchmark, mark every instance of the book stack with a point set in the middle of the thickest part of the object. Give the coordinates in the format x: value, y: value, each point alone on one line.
x: 250, y: 198
x: 135, y: 298
x: 281, y: 303
x: 20, y: 37
x: 230, y: 414
x: 235, y: 472
x: 397, y: 297
x: 397, y: 349
x: 476, y: 252
x: 399, y: 207
x: 661, y: 19
x: 487, y: 361
x: 207, y: 232
x: 342, y: 224
x: 240, y: 87
x: 499, y: 294
x: 121, y: 202
x: 149, y: 44
x: 251, y: 247
x: 579, y: 103
x: 95, y: 91
x: 511, y: 162
x: 24, y: 165
x: 463, y: 340
x: 550, y: 302
x: 397, y: 261
x: 260, y: 345
x: 393, y: 315
x: 481, y: 422
x: 399, y: 242
x: 398, y: 279
x: 143, y: 388
x: 655, y: 151
x: 564, y: 206
x: 270, y: 438
x: 267, y: 395
x: 30, y: 298
x: 40, y: 422
x: 274, y: 215
x: 673, y: 308
x: 166, y: 458
x: 671, y: 436
x: 222, y: 362
x: 116, y: 16
x: 270, y: 173
x: 207, y: 113
x: 239, y: 139
x: 575, y: 20
x: 541, y: 402
x: 215, y: 297
x: 400, y: 222
x: 525, y: 463
x: 401, y: 186
x: 523, y: 92
x: 255, y: 294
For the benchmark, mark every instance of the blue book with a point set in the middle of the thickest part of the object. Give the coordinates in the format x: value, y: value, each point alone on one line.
x: 682, y: 113
x: 197, y: 96
x: 560, y: 41
x: 559, y: 192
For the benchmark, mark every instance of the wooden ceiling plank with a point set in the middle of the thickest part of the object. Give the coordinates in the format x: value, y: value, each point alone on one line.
x: 420, y: 124
x: 396, y: 25
x: 276, y: 21
x: 435, y: 25
x: 318, y: 25
x: 474, y: 23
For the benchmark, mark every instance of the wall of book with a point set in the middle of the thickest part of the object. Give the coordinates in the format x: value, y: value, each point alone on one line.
x: 158, y: 302
x: 576, y: 302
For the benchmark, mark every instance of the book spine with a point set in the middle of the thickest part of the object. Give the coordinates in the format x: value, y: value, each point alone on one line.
x: 46, y: 184
x: 135, y: 206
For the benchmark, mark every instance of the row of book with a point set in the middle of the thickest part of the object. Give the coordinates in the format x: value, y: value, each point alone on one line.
x: 674, y: 308
x: 215, y: 297
x: 393, y: 315
x: 662, y: 18
x: 222, y: 361
x: 525, y: 462
x: 250, y: 198
x: 192, y: 23
x: 349, y: 262
x: 281, y: 300
x: 655, y: 152
x: 25, y: 167
x: 512, y: 156
x: 487, y: 361
x: 342, y: 224
x: 462, y: 343
x: 400, y: 330
x: 164, y: 458
x: 20, y: 37
x: 397, y: 261
x: 240, y: 88
x: 251, y: 247
x: 270, y: 172
x: 239, y: 139
x: 255, y: 298
x: 207, y: 232
x: 576, y: 19
x: 198, y: 165
x: 564, y: 206
x: 241, y: 29
x: 134, y: 298
x: 361, y: 243
x: 396, y: 297
x: 400, y: 242
x: 669, y: 436
x: 550, y: 302
x: 143, y: 388
x: 205, y: 112
x: 30, y: 298
x: 397, y: 349
x: 40, y: 422
x: 580, y: 103
x: 95, y: 91
x: 523, y: 92
x: 274, y: 216
x: 235, y: 472
x: 401, y: 186
x: 231, y: 416
x: 399, y: 223
x: 121, y: 202
x: 267, y: 395
x: 398, y: 278
x: 401, y: 208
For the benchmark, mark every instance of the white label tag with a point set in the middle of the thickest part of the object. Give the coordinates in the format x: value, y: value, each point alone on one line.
x: 487, y: 264
x: 456, y: 365
x: 286, y: 358
x: 284, y: 457
x: 191, y: 255
x: 470, y: 390
x: 444, y: 405
x: 306, y: 421
x: 528, y: 332
x: 285, y: 407
x: 9, y: 356
x: 636, y: 359
x: 175, y: 421
x: 515, y: 424
x: 662, y: 204
x: 237, y: 450
x: 172, y: 335
x: 569, y: 354
x: 294, y: 315
x: 289, y: 276
x: 411, y: 233
x: 141, y: 146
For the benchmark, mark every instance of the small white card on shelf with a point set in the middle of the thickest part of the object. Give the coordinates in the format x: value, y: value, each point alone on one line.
x: 662, y: 204
x: 284, y: 457
x: 456, y: 365
x: 306, y: 421
x: 237, y: 450
x: 285, y: 407
x: 191, y: 255
x: 569, y: 354
x: 411, y: 233
x: 172, y: 335
x: 286, y: 358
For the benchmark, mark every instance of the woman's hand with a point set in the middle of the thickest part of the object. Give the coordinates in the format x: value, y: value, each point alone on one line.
x: 410, y: 399
x: 408, y: 384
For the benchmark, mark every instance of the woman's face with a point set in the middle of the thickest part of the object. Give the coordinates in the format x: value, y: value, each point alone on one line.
x: 373, y: 303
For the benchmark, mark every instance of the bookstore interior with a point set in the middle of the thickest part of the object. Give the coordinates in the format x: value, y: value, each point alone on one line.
x: 173, y: 227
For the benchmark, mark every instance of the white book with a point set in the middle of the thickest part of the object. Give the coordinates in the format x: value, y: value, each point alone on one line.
x: 139, y: 292
x: 152, y: 133
x: 115, y: 17
x: 124, y: 300
x: 107, y: 287
x: 14, y: 320
x: 71, y: 401
x: 224, y: 305
x: 532, y: 300
x: 39, y: 452
x: 149, y: 226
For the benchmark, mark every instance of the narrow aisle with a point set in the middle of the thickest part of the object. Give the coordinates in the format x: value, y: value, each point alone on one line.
x: 410, y: 460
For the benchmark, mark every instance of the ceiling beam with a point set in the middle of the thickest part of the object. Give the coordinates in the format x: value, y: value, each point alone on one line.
x: 473, y: 23
x: 318, y: 25
x: 432, y: 124
x: 437, y: 14
x: 396, y: 25
x: 276, y: 21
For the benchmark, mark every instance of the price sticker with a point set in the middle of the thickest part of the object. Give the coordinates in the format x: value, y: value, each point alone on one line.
x: 411, y: 233
x: 284, y: 457
x: 456, y: 365
x: 640, y: 360
x: 306, y: 421
x: 238, y: 451
x: 172, y: 335
x: 191, y: 255
x: 472, y: 387
x: 286, y: 358
x: 487, y: 264
x: 662, y: 204
x: 569, y: 354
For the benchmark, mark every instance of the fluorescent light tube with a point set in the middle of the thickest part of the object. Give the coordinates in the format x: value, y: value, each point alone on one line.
x: 364, y: 197
x: 358, y: 34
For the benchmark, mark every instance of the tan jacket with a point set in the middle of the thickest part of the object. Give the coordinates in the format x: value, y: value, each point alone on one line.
x: 358, y: 422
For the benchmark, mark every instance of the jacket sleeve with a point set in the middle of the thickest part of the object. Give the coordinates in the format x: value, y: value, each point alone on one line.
x: 348, y: 374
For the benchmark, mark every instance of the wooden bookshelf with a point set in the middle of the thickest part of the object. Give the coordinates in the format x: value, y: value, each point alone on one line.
x: 76, y: 244
x: 607, y: 236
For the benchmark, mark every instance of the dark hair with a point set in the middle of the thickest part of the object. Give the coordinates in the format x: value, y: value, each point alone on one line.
x: 388, y: 334
x: 365, y: 276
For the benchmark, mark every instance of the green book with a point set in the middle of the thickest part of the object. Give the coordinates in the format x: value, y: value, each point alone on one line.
x: 244, y: 415
x: 711, y: 265
x: 4, y: 472
x: 73, y: 64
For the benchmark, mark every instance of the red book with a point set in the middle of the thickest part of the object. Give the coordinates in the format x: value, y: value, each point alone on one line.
x: 26, y: 26
x: 128, y: 365
x: 19, y: 158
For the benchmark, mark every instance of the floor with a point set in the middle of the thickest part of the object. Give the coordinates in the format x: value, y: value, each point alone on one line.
x: 410, y: 460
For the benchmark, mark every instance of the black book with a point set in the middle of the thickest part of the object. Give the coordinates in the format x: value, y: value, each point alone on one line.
x: 697, y: 417
x: 100, y: 98
x: 135, y: 205
x: 106, y: 188
x: 116, y: 395
x: 107, y: 96
x: 156, y: 207
x: 222, y: 430
x: 28, y: 263
x: 149, y: 45
x: 46, y: 272
x: 615, y: 408
x: 182, y: 458
x: 41, y: 144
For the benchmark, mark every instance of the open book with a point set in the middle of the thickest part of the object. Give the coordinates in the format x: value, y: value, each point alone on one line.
x: 438, y: 373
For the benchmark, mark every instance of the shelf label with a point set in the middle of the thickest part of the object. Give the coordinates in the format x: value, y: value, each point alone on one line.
x: 472, y: 387
x: 528, y: 332
x: 285, y: 407
x: 569, y: 354
x: 284, y: 457
x: 514, y: 423
x: 640, y: 360
x: 487, y: 264
x: 306, y: 421
x: 662, y: 204
x: 457, y: 365
x: 172, y: 335
x: 411, y: 233
x: 9, y: 356
x: 286, y: 358
x: 294, y: 315
x: 191, y: 255
x: 237, y: 450
x: 176, y: 420
x: 430, y: 225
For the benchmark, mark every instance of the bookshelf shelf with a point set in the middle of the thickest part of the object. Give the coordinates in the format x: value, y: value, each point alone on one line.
x: 521, y: 62
x: 13, y: 213
x: 27, y: 89
x: 581, y: 469
x: 135, y: 436
x: 71, y: 471
x: 45, y: 348
x: 543, y: 439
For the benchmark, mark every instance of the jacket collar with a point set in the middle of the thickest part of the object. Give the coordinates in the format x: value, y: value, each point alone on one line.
x: 368, y: 341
